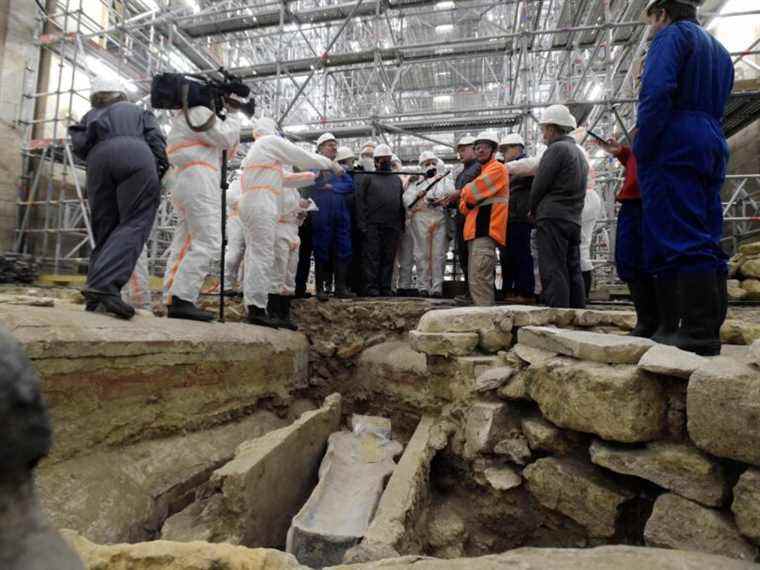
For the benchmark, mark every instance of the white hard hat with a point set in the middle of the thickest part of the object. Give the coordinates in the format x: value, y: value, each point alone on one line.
x: 427, y: 155
x: 559, y: 115
x: 366, y: 145
x: 487, y: 136
x: 652, y: 3
x: 325, y: 138
x: 512, y: 139
x: 395, y: 158
x: 105, y: 85
x: 264, y: 126
x: 382, y: 150
x: 466, y: 140
x: 344, y: 153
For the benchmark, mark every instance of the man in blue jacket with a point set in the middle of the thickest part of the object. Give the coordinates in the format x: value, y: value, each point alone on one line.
x: 682, y: 156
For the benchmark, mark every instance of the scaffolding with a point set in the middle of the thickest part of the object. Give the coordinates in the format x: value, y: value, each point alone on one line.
x: 417, y: 74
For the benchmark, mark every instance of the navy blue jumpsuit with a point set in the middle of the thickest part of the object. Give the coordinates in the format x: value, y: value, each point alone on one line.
x: 331, y: 225
x: 124, y: 150
x: 681, y: 150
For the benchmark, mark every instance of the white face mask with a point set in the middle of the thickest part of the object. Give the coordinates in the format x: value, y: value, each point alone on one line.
x: 368, y: 164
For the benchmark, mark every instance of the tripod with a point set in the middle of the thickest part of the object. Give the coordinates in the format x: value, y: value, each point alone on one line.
x: 224, y: 186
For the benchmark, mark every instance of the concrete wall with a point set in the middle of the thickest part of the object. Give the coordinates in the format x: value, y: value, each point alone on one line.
x: 17, y: 32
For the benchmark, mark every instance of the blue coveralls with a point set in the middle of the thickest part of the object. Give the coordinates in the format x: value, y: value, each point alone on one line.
x: 331, y: 225
x: 681, y: 151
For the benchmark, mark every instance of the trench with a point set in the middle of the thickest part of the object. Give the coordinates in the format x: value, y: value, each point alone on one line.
x: 248, y: 480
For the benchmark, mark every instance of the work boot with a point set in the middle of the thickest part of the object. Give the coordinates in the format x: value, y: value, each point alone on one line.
x: 108, y: 303
x: 320, y: 276
x: 341, y: 289
x: 644, y: 297
x: 181, y: 309
x: 284, y: 313
x: 258, y: 316
x: 666, y: 293
x: 274, y: 310
x: 700, y: 310
x: 723, y: 299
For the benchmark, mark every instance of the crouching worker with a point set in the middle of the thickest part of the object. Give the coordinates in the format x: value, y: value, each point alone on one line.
x: 262, y: 184
x: 195, y: 195
x: 126, y: 158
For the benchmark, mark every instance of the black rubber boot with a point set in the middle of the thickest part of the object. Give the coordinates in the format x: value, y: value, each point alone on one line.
x: 644, y: 297
x: 700, y: 308
x: 341, y: 278
x: 181, y: 309
x: 284, y: 314
x: 112, y: 304
x: 274, y: 310
x: 723, y: 300
x: 321, y: 282
x: 666, y: 293
x: 258, y: 316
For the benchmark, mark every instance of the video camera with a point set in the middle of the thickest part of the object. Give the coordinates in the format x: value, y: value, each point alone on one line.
x: 186, y: 90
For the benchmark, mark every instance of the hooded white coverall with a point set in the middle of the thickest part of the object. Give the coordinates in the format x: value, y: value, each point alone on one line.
x: 405, y: 257
x: 428, y: 229
x: 287, y: 242
x: 195, y: 195
x: 592, y: 210
x: 137, y: 290
x: 261, y: 185
x: 233, y: 256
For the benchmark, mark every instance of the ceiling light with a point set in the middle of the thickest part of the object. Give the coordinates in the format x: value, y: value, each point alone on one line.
x: 445, y: 5
x: 595, y: 91
x: 444, y: 28
x: 442, y: 99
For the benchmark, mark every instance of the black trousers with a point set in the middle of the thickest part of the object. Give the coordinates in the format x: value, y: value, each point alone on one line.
x: 461, y: 245
x: 517, y: 261
x: 559, y: 261
x: 380, y: 244
x: 304, y: 256
x: 124, y: 191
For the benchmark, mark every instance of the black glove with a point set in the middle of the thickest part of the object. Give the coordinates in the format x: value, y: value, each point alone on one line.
x: 163, y: 167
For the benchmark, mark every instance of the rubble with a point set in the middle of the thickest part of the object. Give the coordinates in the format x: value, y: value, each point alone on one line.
x: 746, y: 504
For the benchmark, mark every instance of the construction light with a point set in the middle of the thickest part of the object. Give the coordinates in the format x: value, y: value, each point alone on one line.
x: 446, y: 5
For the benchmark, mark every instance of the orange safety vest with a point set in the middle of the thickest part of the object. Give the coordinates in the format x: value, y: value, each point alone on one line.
x: 491, y: 188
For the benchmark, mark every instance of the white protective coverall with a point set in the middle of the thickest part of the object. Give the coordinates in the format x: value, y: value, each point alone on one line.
x: 592, y: 210
x: 195, y: 195
x: 428, y: 229
x: 137, y: 290
x: 233, y: 256
x: 261, y: 185
x: 287, y: 242
x: 405, y: 257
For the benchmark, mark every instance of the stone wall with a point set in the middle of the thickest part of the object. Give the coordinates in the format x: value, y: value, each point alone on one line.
x: 604, y: 438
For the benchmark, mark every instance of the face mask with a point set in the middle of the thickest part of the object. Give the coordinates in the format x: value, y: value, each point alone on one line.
x: 384, y: 166
x: 430, y: 172
x: 367, y: 164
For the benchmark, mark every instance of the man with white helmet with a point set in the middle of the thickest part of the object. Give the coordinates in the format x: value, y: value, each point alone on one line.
x: 425, y: 199
x: 556, y: 202
x: 516, y: 259
x: 261, y: 186
x: 485, y: 202
x: 470, y: 171
x: 196, y: 141
x: 682, y: 155
x: 331, y: 225
x: 125, y: 153
x: 380, y: 217
x: 404, y: 267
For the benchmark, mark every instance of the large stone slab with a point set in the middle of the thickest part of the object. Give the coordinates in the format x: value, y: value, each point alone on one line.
x: 444, y: 344
x: 600, y: 558
x: 722, y: 405
x: 577, y: 490
x: 597, y: 347
x: 485, y: 422
x: 110, y: 382
x: 671, y: 361
x: 682, y: 524
x: 746, y: 505
x: 493, y: 378
x: 618, y: 403
x: 254, y: 497
x: 625, y: 320
x: 352, y: 477
x: 678, y: 467
x: 393, y: 528
x: 532, y: 355
x: 166, y: 555
x: 463, y: 319
x: 124, y: 495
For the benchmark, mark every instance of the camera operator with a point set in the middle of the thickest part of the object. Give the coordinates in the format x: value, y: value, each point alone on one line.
x: 126, y: 157
x: 196, y: 141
